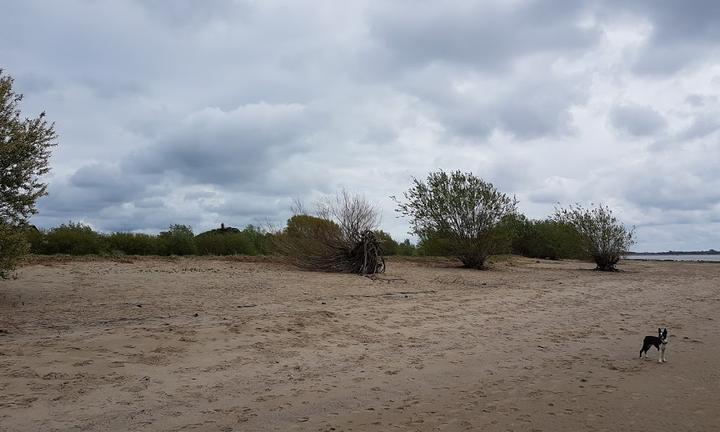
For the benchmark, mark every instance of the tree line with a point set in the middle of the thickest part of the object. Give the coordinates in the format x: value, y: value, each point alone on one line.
x: 80, y: 239
x: 514, y: 234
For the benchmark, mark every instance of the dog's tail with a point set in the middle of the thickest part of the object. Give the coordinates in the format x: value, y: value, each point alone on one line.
x: 641, y: 351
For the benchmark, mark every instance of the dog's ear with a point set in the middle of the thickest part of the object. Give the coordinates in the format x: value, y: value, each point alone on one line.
x: 659, y: 330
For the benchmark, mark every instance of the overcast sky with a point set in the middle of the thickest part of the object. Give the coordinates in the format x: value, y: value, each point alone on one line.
x: 202, y: 112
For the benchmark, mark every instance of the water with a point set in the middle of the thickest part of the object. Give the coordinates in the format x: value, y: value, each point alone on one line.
x: 713, y: 258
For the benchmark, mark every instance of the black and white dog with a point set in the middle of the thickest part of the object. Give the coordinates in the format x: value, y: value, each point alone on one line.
x: 660, y: 342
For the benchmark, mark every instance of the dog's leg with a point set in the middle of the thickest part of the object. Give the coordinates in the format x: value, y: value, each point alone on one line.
x: 661, y: 353
x: 644, y: 350
x: 664, y: 359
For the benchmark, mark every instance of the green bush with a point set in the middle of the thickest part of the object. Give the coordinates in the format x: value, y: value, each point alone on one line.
x: 546, y: 239
x: 78, y: 239
x: 35, y: 239
x: 231, y: 241
x: 73, y: 239
x: 308, y: 240
x: 558, y: 240
x: 516, y: 234
x: 261, y: 241
x: 311, y: 227
x: 133, y: 244
x: 406, y: 248
x: 177, y: 240
x: 224, y: 244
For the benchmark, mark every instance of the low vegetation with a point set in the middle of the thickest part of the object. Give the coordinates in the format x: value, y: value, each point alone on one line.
x: 79, y: 239
x: 318, y: 243
x: 546, y: 238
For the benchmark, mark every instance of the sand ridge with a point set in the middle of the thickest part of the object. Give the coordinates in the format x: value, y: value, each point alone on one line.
x: 203, y: 344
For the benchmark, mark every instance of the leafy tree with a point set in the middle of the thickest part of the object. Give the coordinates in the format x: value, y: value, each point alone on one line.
x: 25, y: 145
x: 460, y: 208
x: 603, y: 237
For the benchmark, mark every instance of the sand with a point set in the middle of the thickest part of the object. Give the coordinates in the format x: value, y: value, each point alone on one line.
x: 225, y: 345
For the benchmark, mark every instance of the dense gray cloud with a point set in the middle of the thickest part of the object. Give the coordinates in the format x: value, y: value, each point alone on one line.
x: 90, y: 189
x: 219, y: 147
x: 226, y: 110
x: 681, y: 34
x: 485, y: 35
x: 636, y: 120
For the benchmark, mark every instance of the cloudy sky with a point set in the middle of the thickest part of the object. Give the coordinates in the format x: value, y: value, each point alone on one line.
x: 202, y: 112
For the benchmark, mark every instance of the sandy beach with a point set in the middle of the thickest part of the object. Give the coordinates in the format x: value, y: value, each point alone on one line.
x: 226, y: 345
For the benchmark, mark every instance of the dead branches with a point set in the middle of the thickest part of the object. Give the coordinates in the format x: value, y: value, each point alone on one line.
x: 330, y: 253
x: 339, y: 239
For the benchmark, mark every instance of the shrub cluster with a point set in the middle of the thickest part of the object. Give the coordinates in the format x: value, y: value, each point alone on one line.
x: 517, y: 235
x: 546, y: 238
x: 79, y: 239
x: 458, y: 214
x: 230, y: 241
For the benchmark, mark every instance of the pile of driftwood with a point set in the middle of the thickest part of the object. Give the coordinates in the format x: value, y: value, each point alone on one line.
x: 331, y: 253
x: 339, y: 238
x: 366, y: 257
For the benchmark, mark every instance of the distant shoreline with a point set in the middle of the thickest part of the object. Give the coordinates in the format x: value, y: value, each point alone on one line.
x: 709, y: 258
x: 707, y: 252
